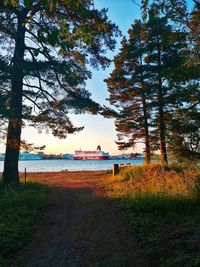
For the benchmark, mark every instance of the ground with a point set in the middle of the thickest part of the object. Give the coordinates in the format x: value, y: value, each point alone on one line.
x: 81, y: 226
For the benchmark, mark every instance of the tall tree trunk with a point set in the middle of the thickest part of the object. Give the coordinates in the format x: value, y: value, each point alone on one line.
x: 11, y: 173
x: 146, y: 124
x: 163, y: 150
x: 146, y: 130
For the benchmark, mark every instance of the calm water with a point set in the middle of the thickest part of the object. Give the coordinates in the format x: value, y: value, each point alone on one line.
x: 70, y: 165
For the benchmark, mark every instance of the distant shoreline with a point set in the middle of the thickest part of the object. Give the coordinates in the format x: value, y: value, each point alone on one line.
x: 71, y: 165
x: 79, y: 159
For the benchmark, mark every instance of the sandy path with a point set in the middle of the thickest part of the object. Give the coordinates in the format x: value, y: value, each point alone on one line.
x: 81, y: 227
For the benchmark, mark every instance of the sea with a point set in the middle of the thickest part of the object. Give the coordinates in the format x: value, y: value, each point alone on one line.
x: 71, y: 165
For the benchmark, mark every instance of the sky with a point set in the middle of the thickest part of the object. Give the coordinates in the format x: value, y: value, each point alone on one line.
x: 97, y: 130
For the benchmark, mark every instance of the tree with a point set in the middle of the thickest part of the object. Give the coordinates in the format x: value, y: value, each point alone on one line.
x: 184, y: 137
x: 177, y: 70
x: 153, y: 81
x: 177, y: 11
x: 3, y: 107
x: 128, y: 87
x: 46, y: 47
x: 184, y: 118
x: 195, y: 33
x: 163, y: 58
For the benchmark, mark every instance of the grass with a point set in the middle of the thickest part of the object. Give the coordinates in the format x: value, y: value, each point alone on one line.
x: 163, y: 209
x: 19, y: 209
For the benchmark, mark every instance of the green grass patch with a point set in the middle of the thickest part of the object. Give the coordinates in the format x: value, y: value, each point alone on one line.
x: 166, y: 229
x: 19, y: 210
x: 162, y: 206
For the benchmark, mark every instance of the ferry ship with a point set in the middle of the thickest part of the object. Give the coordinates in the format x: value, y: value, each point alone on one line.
x: 97, y: 154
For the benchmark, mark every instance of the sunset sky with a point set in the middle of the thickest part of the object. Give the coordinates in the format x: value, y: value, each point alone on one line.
x: 98, y: 130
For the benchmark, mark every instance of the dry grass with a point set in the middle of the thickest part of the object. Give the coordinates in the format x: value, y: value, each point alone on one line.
x: 162, y: 207
x: 154, y: 179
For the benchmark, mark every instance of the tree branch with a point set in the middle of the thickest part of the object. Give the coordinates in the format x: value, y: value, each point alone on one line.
x: 35, y: 104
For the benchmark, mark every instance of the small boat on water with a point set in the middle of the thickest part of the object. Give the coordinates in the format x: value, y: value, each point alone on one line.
x: 97, y: 154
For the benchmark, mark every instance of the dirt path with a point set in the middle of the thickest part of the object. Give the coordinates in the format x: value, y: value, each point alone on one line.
x: 81, y: 227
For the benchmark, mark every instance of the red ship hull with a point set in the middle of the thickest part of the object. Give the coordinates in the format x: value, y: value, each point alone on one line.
x: 92, y: 158
x: 97, y: 154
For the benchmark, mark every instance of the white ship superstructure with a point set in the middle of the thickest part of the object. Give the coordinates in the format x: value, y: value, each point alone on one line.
x: 97, y: 154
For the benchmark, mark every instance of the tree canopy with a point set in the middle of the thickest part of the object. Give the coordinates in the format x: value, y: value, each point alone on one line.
x: 45, y: 50
x: 155, y: 82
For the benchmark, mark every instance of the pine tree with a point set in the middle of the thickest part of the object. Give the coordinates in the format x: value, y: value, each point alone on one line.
x: 177, y: 80
x: 184, y: 118
x: 177, y: 11
x: 46, y: 47
x: 162, y: 58
x: 128, y: 87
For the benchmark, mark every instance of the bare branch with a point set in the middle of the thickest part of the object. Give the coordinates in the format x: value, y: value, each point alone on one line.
x: 134, y: 2
x: 35, y: 104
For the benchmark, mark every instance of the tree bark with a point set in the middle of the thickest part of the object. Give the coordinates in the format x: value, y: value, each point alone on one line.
x: 11, y: 173
x: 163, y: 150
x: 146, y: 130
x: 146, y: 124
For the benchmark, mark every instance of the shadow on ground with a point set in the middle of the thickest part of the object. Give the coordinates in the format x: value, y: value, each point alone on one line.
x: 80, y: 228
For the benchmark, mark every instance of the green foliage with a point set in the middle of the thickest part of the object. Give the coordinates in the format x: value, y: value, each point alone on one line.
x: 20, y: 209
x: 181, y: 88
x: 154, y: 86
x: 54, y: 43
x: 109, y: 171
x: 61, y: 38
x: 129, y: 89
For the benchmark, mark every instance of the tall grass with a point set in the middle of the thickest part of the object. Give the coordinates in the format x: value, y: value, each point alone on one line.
x: 162, y: 205
x: 154, y: 179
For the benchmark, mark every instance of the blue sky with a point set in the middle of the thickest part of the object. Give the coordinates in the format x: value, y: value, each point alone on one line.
x: 98, y: 130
